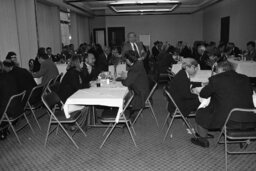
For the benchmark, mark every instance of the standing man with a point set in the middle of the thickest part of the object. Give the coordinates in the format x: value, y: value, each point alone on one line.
x: 135, y: 46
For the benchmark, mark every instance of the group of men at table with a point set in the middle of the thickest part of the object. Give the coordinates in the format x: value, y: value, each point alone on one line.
x: 226, y: 89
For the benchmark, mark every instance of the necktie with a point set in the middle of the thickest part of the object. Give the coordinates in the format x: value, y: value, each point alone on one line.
x: 135, y: 48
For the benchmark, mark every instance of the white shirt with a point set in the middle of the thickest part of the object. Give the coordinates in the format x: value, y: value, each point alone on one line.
x: 134, y: 45
x: 89, y: 68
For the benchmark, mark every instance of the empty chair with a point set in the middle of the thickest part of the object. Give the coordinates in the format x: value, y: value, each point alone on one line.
x: 148, y: 104
x: 58, y: 118
x: 177, y: 114
x: 232, y: 135
x: 111, y: 119
x: 15, y: 110
x: 34, y: 101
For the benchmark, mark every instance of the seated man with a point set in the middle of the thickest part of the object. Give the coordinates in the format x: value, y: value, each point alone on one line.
x: 227, y: 90
x: 24, y: 79
x: 88, y: 69
x: 251, y: 51
x: 179, y: 88
x: 136, y: 80
x: 48, y: 69
x: 73, y: 80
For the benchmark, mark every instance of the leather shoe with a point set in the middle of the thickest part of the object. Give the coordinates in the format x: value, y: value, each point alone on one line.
x: 203, y: 142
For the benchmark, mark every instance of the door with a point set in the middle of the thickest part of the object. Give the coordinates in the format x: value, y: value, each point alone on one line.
x: 116, y: 37
x: 224, y: 32
x: 100, y: 36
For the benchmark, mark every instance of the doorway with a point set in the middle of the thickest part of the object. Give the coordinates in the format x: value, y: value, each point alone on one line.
x: 99, y: 35
x: 224, y: 30
x: 116, y: 37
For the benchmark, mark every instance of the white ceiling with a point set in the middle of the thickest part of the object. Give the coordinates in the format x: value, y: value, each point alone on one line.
x: 101, y: 7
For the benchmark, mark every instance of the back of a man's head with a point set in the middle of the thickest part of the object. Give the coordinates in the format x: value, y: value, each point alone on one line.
x: 224, y: 66
x: 188, y: 62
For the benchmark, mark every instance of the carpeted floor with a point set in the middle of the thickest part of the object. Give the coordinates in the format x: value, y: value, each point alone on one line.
x: 119, y: 153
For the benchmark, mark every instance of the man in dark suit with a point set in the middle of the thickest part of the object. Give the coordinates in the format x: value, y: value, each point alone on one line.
x: 24, y: 79
x: 135, y: 46
x: 232, y: 50
x: 54, y: 58
x: 48, y: 69
x: 88, y: 70
x: 136, y: 80
x: 179, y: 88
x: 227, y: 90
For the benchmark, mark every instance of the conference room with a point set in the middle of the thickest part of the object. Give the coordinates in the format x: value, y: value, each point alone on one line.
x: 128, y: 85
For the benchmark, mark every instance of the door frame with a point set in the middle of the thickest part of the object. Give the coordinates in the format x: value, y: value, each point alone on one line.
x: 94, y: 34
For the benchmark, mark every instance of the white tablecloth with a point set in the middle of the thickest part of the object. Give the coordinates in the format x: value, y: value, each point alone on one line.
x: 247, y: 68
x: 119, y: 69
x: 107, y: 95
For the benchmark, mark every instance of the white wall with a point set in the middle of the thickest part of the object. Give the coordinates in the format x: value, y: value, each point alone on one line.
x: 18, y: 29
x: 173, y: 28
x: 242, y: 21
x: 48, y: 22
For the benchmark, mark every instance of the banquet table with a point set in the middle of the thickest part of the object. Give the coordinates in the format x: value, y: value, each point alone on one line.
x: 111, y: 95
x: 247, y: 68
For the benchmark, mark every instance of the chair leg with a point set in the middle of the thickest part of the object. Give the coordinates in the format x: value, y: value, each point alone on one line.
x: 14, y: 131
x: 34, y: 115
x: 188, y: 125
x: 168, y: 115
x: 47, y: 133
x: 132, y: 128
x: 57, y: 130
x: 79, y: 127
x: 226, y: 149
x: 128, y: 127
x: 28, y: 122
x: 111, y: 130
x: 139, y: 113
x: 169, y: 126
x: 109, y: 125
x: 71, y: 139
x: 153, y: 113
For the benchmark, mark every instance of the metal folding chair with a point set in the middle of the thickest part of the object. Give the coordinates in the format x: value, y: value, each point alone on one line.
x: 232, y: 136
x: 177, y: 114
x: 34, y: 102
x: 15, y: 110
x: 148, y: 104
x: 51, y: 101
x: 58, y: 78
x: 47, y: 88
x: 112, y: 123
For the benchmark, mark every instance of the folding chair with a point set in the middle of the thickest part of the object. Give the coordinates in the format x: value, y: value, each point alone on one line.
x: 48, y: 86
x: 232, y: 136
x: 15, y: 110
x: 51, y: 101
x: 148, y: 105
x: 112, y: 123
x: 177, y: 114
x: 34, y: 101
x: 58, y: 78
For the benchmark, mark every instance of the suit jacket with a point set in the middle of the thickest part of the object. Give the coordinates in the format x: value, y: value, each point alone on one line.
x: 72, y: 81
x: 48, y: 71
x: 8, y: 88
x: 179, y: 88
x: 251, y: 56
x: 203, y: 61
x: 137, y: 81
x: 228, y: 90
x: 89, y: 76
x: 127, y: 46
x: 24, y: 80
x: 155, y: 52
x: 102, y: 62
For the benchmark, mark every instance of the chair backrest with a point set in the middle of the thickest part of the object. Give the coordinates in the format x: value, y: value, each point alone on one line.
x: 47, y: 88
x: 15, y: 105
x: 171, y: 98
x: 237, y: 111
x: 58, y: 78
x: 35, y: 95
x: 50, y: 100
x: 127, y: 99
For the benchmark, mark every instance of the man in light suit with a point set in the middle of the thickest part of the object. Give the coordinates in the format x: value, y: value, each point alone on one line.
x: 48, y: 69
x: 135, y: 46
